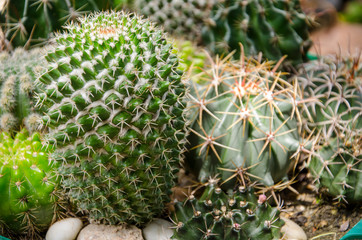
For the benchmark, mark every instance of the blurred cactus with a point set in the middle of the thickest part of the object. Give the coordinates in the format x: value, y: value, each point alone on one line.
x: 17, y: 89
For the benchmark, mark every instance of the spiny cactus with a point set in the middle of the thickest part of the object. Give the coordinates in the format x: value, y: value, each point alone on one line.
x: 336, y: 164
x: 17, y: 89
x: 335, y: 86
x: 221, y: 216
x: 115, y: 109
x: 27, y: 186
x: 333, y: 117
x: 29, y: 22
x: 244, y: 119
x: 273, y: 27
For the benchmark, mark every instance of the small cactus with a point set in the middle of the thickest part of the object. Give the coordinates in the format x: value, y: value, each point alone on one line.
x: 217, y: 215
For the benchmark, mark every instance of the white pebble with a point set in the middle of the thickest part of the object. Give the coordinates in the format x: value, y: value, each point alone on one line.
x: 292, y: 231
x: 158, y: 229
x: 65, y: 229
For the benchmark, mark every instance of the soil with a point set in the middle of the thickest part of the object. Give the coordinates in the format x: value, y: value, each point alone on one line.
x: 320, y: 216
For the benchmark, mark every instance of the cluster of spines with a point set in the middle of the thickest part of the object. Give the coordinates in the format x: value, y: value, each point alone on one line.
x: 217, y: 215
x: 116, y: 105
x: 17, y: 89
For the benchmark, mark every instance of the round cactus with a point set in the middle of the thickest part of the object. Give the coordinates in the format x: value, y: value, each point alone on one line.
x: 245, y: 118
x: 27, y: 185
x: 217, y: 215
x: 115, y: 109
x: 18, y: 88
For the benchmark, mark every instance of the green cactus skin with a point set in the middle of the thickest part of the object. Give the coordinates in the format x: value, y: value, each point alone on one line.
x: 245, y: 118
x: 115, y: 109
x: 220, y: 216
x: 335, y: 85
x: 17, y: 89
x: 27, y: 185
x: 30, y: 22
x: 273, y: 27
x: 337, y: 167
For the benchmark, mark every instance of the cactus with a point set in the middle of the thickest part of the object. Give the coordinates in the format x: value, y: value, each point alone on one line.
x: 275, y: 28
x: 335, y: 85
x: 217, y: 215
x: 32, y: 22
x: 244, y: 119
x: 336, y: 164
x: 17, y: 89
x: 29, y: 202
x: 115, y: 109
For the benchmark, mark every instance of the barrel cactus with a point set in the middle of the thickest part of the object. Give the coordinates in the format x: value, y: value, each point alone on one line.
x: 17, y: 89
x: 28, y: 186
x: 115, y: 104
x: 244, y: 118
x: 273, y: 27
x: 217, y: 215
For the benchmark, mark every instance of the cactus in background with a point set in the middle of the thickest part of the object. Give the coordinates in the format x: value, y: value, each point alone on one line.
x: 272, y: 27
x: 217, y: 215
x: 192, y: 58
x: 29, y: 22
x: 17, y: 89
x: 27, y: 185
x: 115, y: 100
x: 244, y: 119
x: 183, y: 18
x: 335, y: 86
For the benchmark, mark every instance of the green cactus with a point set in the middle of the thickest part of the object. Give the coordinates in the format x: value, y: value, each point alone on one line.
x: 273, y: 27
x: 30, y: 22
x: 27, y: 186
x: 115, y: 109
x: 220, y: 216
x: 335, y: 86
x: 244, y: 119
x: 337, y: 166
x: 333, y: 119
x: 17, y: 89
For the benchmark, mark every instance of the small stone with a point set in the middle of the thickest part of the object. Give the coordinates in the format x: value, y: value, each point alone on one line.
x: 65, y: 229
x: 344, y: 226
x: 292, y: 231
x: 110, y: 232
x: 158, y: 229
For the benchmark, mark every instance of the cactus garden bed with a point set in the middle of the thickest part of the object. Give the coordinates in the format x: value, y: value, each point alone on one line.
x: 109, y: 119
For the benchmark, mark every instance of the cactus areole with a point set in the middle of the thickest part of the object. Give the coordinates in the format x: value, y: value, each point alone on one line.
x: 115, y: 102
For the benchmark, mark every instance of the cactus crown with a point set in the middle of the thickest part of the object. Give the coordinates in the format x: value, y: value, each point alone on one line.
x: 115, y: 102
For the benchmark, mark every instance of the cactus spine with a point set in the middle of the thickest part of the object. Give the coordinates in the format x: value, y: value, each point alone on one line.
x: 115, y: 102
